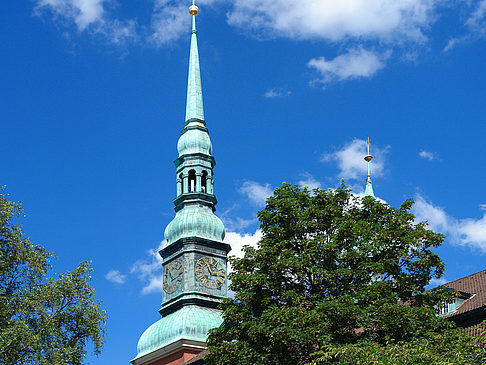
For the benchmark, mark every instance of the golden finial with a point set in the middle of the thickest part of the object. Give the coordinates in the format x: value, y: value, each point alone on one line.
x: 368, y: 157
x: 193, y: 9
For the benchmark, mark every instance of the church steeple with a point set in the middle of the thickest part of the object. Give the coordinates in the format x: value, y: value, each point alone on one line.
x: 194, y: 104
x: 368, y: 158
x: 194, y: 255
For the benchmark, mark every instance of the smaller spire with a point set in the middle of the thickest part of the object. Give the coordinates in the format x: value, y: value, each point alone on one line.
x: 368, y: 158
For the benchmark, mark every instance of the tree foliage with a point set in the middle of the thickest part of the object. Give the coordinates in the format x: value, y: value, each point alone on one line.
x: 43, y: 320
x: 329, y: 279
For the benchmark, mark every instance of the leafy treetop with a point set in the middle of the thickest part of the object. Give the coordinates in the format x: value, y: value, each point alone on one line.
x: 331, y: 270
x: 43, y: 320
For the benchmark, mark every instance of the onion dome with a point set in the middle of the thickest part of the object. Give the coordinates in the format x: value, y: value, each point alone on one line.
x: 194, y: 141
x: 195, y: 221
x: 189, y: 322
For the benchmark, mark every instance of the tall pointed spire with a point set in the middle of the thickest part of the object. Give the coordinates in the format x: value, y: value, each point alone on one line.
x: 194, y: 104
x: 368, y: 158
x: 194, y: 266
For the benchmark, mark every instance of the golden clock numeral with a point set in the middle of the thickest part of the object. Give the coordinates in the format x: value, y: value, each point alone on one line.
x: 221, y: 280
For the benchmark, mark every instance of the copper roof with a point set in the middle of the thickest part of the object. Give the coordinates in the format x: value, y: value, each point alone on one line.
x: 474, y: 284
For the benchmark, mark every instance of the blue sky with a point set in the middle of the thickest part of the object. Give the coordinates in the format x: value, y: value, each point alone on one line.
x: 93, y: 100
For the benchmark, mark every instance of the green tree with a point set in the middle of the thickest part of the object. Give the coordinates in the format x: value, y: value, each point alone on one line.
x: 43, y: 320
x: 328, y: 283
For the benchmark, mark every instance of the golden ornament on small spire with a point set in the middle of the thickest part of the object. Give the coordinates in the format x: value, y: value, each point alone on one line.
x: 193, y: 9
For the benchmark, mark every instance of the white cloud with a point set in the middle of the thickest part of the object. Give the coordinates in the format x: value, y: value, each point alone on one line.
x: 82, y: 12
x: 149, y: 271
x: 356, y: 63
x: 469, y: 232
x: 276, y: 93
x: 169, y: 21
x: 436, y: 282
x: 89, y: 15
x: 309, y: 181
x: 436, y: 217
x: 384, y: 20
x: 350, y: 160
x: 256, y: 192
x: 116, y: 276
x: 428, y: 155
x: 239, y: 240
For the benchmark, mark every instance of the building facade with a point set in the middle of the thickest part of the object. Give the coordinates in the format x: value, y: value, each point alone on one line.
x: 194, y: 255
x: 467, y: 310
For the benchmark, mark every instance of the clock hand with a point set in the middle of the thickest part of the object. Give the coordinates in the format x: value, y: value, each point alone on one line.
x: 209, y: 268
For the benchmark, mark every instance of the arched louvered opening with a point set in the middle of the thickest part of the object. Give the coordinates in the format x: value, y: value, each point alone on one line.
x: 204, y: 182
x: 192, y: 181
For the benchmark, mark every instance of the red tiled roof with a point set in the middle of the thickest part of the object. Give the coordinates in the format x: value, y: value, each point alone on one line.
x: 474, y: 284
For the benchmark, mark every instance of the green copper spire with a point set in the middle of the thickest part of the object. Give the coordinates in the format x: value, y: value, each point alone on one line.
x: 194, y: 104
x: 194, y: 267
x: 368, y: 158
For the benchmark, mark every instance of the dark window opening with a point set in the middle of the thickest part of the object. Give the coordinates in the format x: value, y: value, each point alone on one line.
x: 204, y: 182
x: 192, y: 181
x: 181, y: 181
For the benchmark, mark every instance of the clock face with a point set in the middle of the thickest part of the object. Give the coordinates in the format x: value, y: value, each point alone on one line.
x: 173, y: 276
x: 210, y: 272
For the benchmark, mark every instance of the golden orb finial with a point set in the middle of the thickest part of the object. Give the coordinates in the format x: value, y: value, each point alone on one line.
x: 368, y: 158
x: 193, y: 9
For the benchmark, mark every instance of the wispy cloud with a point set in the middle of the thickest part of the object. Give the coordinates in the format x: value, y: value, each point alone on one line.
x: 477, y: 20
x: 149, y: 271
x: 82, y: 12
x: 356, y: 63
x: 276, y: 93
x: 452, y: 43
x: 350, y: 161
x: 469, y: 232
x: 428, y: 155
x: 234, y: 223
x: 116, y: 277
x: 309, y: 181
x: 89, y: 16
x: 169, y: 22
x: 475, y: 27
x: 257, y: 193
